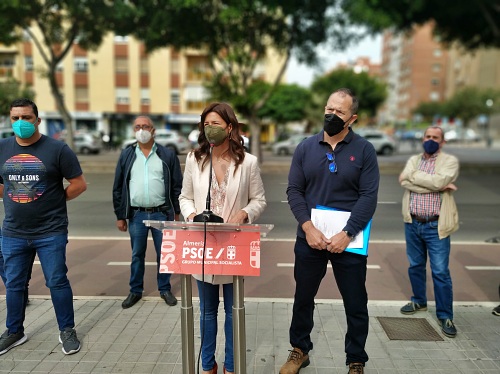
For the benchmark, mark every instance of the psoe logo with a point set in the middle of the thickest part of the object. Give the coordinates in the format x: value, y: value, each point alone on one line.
x: 231, y: 252
x: 255, y: 254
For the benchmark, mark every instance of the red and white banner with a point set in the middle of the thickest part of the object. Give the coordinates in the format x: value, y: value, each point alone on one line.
x: 226, y: 253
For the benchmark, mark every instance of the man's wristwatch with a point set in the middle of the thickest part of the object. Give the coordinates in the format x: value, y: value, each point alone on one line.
x: 349, y: 235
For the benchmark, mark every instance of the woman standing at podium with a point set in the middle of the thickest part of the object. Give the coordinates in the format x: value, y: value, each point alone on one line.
x: 237, y: 196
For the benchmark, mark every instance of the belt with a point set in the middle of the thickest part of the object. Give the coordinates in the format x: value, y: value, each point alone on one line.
x: 425, y: 219
x: 154, y: 209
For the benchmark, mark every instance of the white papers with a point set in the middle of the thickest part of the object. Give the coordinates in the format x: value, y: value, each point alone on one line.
x: 331, y: 222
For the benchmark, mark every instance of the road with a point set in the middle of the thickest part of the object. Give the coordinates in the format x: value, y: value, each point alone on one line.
x: 98, y: 254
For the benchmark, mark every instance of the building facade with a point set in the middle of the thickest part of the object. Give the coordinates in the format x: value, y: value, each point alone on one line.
x: 105, y: 89
x: 414, y: 66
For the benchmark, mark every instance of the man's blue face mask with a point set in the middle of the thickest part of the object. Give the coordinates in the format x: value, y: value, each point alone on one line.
x: 24, y: 129
x: 430, y: 146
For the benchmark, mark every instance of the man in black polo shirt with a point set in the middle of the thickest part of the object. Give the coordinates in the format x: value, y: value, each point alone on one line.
x: 338, y: 169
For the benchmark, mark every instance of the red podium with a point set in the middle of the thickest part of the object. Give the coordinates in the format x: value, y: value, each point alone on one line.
x: 230, y: 249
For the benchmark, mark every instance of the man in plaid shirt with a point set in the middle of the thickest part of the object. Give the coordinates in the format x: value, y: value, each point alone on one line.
x: 430, y: 216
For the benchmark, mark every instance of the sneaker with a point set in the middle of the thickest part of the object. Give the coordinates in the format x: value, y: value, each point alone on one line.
x: 9, y: 341
x: 169, y: 298
x: 131, y: 300
x: 356, y: 368
x: 296, y: 361
x: 496, y: 311
x: 69, y: 341
x: 412, y: 308
x: 448, y: 328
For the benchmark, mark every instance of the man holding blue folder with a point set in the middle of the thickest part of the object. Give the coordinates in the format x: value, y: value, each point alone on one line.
x: 337, y: 169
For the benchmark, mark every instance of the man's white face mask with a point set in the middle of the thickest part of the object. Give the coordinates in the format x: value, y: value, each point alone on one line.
x: 143, y: 136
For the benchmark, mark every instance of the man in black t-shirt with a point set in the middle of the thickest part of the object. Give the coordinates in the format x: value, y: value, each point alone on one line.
x: 33, y: 167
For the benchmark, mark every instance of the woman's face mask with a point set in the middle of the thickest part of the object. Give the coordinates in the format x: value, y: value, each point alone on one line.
x: 215, y: 134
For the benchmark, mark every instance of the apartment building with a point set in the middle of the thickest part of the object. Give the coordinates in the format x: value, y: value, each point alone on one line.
x: 105, y: 89
x: 480, y: 68
x: 415, y: 68
x: 361, y: 64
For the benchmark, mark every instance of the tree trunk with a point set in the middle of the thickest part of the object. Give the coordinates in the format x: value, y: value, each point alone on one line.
x: 255, y: 129
x: 61, y: 107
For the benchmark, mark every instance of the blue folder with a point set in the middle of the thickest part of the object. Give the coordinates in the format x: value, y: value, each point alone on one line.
x: 366, y: 235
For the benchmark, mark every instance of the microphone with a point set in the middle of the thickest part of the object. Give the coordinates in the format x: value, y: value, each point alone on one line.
x: 208, y: 215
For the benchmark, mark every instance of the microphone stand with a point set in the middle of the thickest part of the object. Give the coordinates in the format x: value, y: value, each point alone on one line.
x: 208, y: 215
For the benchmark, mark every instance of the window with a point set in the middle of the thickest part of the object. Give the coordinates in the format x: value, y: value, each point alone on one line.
x: 197, y: 68
x: 28, y: 63
x: 7, y: 62
x: 196, y: 93
x: 436, y: 68
x: 26, y: 36
x: 259, y: 71
x: 81, y: 94
x: 121, y: 65
x: 435, y: 82
x: 122, y: 95
x: 121, y: 39
x: 144, y: 66
x: 175, y: 66
x: 438, y: 52
x: 145, y: 99
x: 434, y: 96
x: 81, y: 64
x: 175, y: 97
x: 196, y: 97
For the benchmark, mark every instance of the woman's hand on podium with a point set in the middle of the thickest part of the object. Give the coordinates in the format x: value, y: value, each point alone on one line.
x: 240, y: 217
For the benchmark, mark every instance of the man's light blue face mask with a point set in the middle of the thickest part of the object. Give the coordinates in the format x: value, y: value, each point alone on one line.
x: 24, y: 129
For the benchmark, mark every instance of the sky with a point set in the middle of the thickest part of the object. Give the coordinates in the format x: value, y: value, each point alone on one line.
x: 304, y: 75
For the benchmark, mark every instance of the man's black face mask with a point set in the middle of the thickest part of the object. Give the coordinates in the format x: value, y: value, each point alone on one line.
x: 333, y: 124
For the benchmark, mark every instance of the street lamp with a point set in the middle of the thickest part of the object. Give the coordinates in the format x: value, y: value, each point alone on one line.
x: 489, y: 104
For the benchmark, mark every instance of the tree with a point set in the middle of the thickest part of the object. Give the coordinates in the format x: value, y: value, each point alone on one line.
x: 470, y: 102
x: 238, y: 36
x: 54, y: 26
x: 473, y: 24
x: 287, y: 103
x: 11, y: 90
x: 370, y: 92
x: 428, y: 110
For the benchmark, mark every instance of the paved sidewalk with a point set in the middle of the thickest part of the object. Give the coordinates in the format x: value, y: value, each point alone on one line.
x: 146, y: 339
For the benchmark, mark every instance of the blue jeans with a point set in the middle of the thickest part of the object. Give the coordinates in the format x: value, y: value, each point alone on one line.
x: 4, y: 280
x: 349, y: 270
x: 139, y: 241
x: 209, y: 306
x: 422, y: 239
x: 18, y: 257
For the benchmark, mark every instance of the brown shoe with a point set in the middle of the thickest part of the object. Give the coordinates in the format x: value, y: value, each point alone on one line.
x: 356, y: 368
x: 296, y: 361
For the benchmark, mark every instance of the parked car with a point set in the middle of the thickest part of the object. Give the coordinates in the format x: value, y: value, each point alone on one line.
x: 467, y: 135
x: 287, y: 147
x: 85, y: 142
x: 167, y: 138
x: 383, y: 143
x: 409, y: 135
